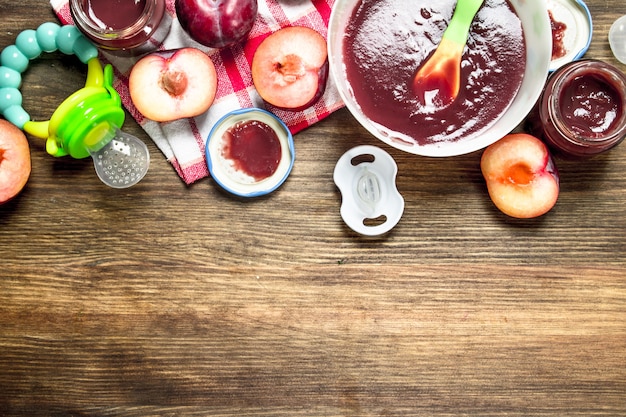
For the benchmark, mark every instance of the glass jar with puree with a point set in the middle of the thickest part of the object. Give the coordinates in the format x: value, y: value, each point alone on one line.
x: 582, y: 110
x: 122, y: 27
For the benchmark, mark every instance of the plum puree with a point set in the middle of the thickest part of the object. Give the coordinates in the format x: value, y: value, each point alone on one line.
x: 114, y: 14
x: 254, y: 148
x: 387, y: 40
x: 590, y: 105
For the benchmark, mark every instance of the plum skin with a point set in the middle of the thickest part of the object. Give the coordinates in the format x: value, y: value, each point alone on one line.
x: 217, y: 23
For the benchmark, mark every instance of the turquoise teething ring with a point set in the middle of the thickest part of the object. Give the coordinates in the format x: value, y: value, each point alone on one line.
x: 83, y: 121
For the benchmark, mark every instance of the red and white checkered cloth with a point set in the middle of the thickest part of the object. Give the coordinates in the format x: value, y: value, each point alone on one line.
x: 183, y: 141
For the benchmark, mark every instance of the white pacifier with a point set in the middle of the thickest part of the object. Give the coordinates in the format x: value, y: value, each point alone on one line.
x: 371, y: 204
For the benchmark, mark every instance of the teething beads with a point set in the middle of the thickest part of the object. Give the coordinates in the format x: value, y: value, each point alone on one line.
x: 29, y: 44
x: 46, y: 36
x: 87, y: 122
x: 12, y: 57
x: 9, y: 78
x: 70, y: 41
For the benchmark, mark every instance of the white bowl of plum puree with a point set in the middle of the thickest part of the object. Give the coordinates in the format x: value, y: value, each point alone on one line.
x: 375, y: 47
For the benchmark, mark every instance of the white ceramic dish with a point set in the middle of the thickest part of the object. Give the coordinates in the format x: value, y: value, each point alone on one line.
x: 538, y: 37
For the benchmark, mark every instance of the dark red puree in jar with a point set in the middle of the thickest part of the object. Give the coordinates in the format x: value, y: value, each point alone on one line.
x: 590, y: 105
x: 387, y: 40
x: 254, y: 148
x: 582, y: 111
x: 123, y: 27
x: 114, y: 14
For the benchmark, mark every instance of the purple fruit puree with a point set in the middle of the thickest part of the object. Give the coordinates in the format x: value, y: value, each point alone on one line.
x: 254, y: 149
x: 114, y: 14
x: 386, y: 42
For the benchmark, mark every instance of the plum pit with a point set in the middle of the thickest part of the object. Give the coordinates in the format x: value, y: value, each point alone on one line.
x: 291, y: 67
x: 174, y: 82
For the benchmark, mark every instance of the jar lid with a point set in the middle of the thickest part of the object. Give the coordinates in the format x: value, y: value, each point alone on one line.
x: 251, y: 170
x: 572, y: 30
x: 617, y: 39
x: 371, y: 204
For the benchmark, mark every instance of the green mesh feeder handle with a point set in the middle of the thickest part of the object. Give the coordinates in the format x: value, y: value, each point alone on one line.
x: 87, y: 122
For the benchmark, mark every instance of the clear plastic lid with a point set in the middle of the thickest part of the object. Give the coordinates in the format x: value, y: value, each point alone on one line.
x: 617, y: 39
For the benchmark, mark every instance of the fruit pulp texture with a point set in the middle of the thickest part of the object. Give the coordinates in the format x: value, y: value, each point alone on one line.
x: 581, y: 111
x: 387, y: 40
x: 590, y: 105
x: 135, y: 27
x: 558, y: 33
x: 520, y: 174
x: 114, y: 14
x: 254, y: 148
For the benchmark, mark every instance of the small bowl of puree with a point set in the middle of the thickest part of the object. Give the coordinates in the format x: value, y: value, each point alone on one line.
x: 250, y: 152
x: 375, y: 47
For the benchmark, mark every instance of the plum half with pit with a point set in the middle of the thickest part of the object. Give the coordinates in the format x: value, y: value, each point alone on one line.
x: 217, y: 23
x: 290, y: 68
x: 170, y: 85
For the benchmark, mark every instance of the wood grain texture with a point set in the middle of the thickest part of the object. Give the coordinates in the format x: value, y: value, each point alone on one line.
x: 174, y: 300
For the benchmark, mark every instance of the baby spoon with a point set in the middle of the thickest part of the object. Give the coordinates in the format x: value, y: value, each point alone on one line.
x: 438, y: 80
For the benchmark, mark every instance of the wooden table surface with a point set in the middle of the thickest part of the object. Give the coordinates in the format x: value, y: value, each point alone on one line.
x: 166, y: 299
